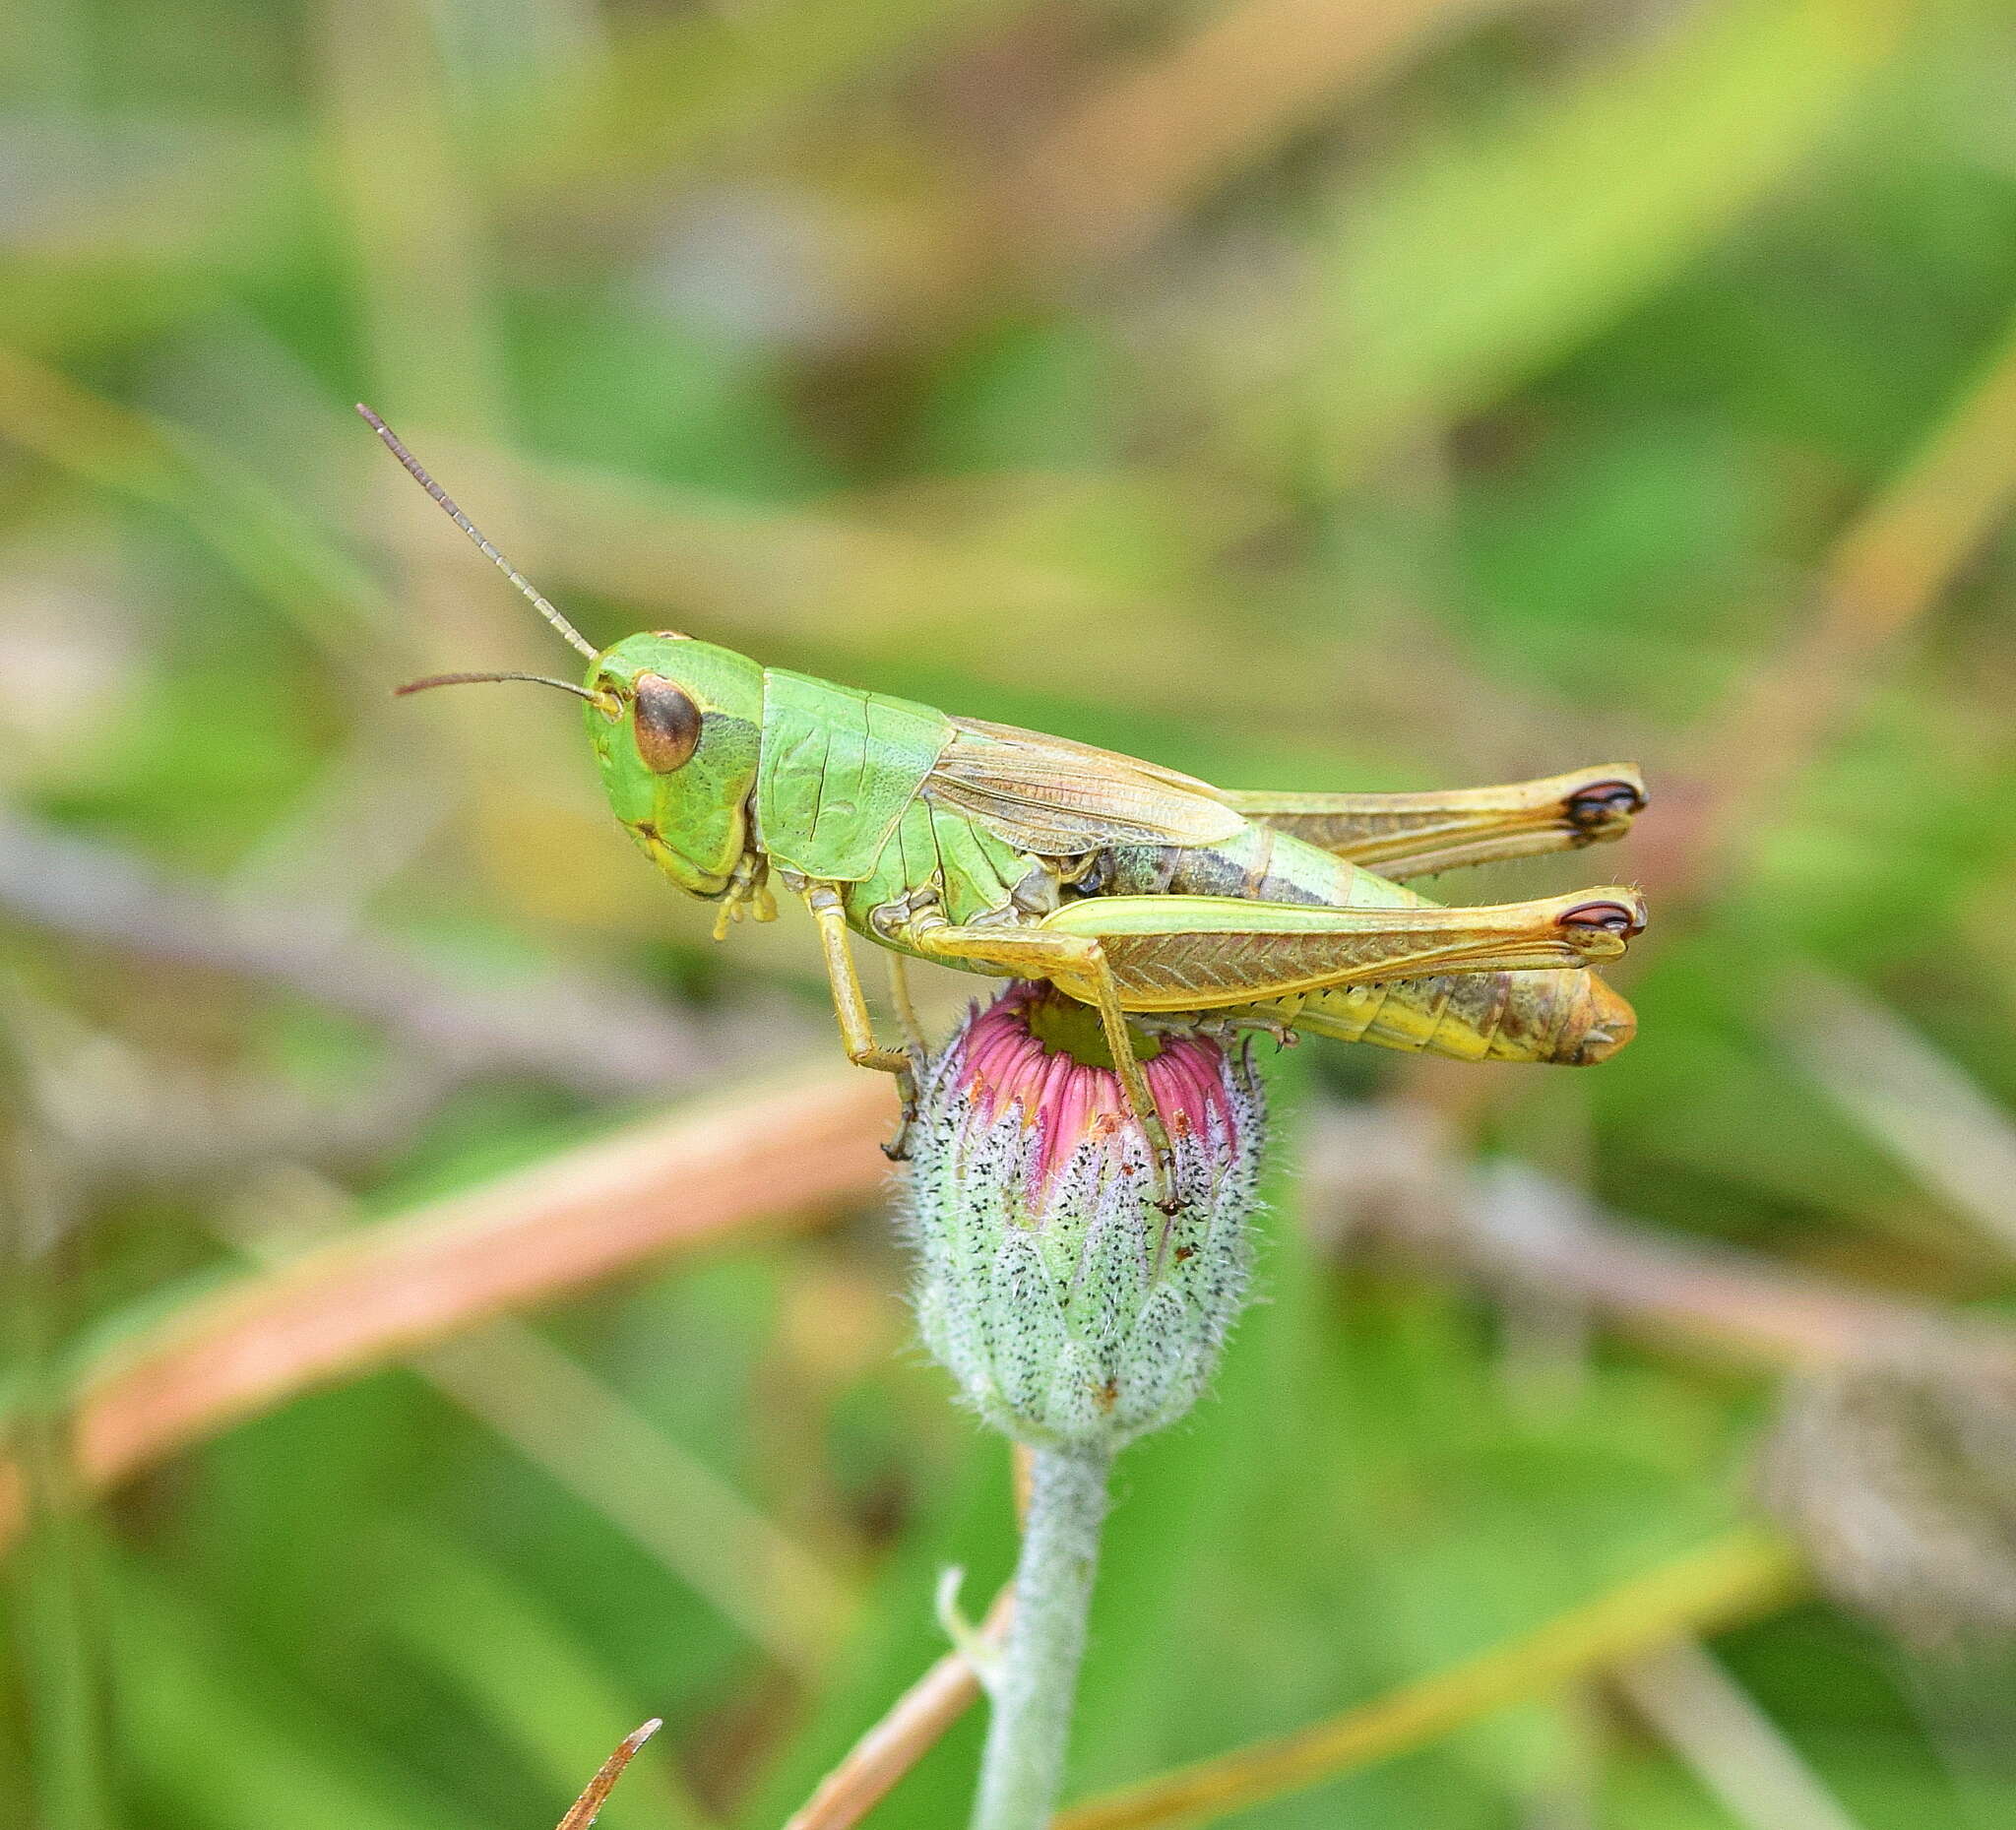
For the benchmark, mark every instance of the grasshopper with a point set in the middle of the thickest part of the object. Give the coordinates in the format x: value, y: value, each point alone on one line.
x: 1146, y: 893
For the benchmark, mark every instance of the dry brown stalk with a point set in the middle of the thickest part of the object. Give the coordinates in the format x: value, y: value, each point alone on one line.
x: 1529, y: 1229
x: 913, y: 1724
x: 1115, y: 171
x: 769, y: 1156
x: 587, y: 1032
x: 588, y: 1807
x: 1884, y: 576
x: 763, y: 1159
x: 1729, y: 1744
x: 1907, y: 1095
x: 590, y: 1440
x: 1397, y: 1175
x: 1736, y: 1578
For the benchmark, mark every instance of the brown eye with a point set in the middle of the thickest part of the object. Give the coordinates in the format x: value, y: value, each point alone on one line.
x: 666, y: 724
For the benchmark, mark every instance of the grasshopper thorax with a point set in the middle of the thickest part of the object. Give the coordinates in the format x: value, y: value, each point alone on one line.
x: 676, y: 727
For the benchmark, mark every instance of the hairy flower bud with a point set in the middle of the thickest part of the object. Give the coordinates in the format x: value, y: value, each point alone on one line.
x: 1073, y: 1309
x: 1897, y: 1474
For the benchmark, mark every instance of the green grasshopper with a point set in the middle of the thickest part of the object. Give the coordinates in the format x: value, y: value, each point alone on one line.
x: 1145, y: 894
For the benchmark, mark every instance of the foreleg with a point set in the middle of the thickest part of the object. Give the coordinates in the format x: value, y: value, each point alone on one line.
x: 857, y: 1027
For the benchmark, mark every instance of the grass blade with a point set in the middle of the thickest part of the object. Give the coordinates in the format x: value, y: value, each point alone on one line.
x: 1467, y: 266
x: 1740, y: 1577
x: 727, y: 1171
x: 588, y: 1807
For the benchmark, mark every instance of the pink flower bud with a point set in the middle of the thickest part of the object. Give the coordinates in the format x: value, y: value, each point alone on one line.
x: 1070, y: 1307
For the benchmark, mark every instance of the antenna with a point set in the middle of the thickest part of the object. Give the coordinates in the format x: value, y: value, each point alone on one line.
x: 478, y: 679
x: 538, y: 600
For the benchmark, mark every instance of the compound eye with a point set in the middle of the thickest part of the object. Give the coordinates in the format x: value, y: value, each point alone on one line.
x: 666, y: 724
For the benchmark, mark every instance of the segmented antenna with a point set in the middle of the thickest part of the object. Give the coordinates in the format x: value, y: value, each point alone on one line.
x: 483, y: 679
x: 540, y: 600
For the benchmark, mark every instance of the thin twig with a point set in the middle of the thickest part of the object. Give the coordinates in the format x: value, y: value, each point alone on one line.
x: 1744, y: 1575
x: 1736, y: 1578
x: 1530, y: 1228
x: 916, y: 1722
x: 1386, y: 1172
x: 1913, y: 1100
x: 601, y: 1037
x: 681, y: 1513
x: 132, y: 1119
x: 1731, y: 1747
x: 588, y: 1807
x: 249, y: 522
x: 769, y: 1157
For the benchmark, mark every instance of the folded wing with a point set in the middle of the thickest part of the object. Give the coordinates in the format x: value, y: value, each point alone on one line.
x: 1058, y: 798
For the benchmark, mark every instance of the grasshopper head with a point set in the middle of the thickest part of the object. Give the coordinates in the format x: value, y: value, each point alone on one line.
x: 675, y: 726
x: 675, y: 723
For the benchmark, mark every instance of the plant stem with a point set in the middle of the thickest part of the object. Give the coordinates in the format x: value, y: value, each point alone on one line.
x: 49, y: 1588
x: 1037, y: 1678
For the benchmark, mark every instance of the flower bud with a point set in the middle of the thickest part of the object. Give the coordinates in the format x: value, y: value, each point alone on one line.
x: 1897, y: 1474
x: 1072, y: 1308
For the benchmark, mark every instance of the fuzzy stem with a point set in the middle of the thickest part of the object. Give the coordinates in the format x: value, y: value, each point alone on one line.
x: 1032, y: 1686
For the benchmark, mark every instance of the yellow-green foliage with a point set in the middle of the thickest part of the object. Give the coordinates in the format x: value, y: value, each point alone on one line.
x: 1421, y: 393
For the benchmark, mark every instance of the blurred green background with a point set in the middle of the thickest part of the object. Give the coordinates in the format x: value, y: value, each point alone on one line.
x: 1304, y: 393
